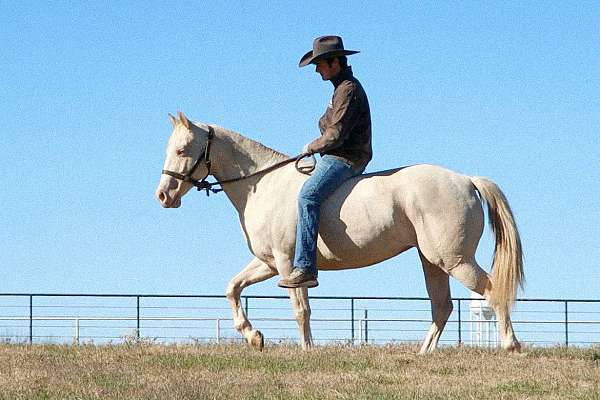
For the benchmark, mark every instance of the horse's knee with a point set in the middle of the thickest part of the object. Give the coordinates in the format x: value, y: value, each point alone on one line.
x: 233, y: 290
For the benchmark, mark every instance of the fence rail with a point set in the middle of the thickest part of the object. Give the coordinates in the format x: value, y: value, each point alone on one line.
x: 108, y: 318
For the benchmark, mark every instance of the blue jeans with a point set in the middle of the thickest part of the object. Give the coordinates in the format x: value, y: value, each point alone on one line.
x: 328, y: 175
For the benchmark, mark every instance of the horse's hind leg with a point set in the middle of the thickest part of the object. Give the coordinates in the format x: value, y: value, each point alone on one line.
x: 438, y: 288
x: 255, y: 271
x: 299, y: 299
x: 470, y: 274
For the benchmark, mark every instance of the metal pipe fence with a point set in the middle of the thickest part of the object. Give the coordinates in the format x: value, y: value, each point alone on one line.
x: 118, y: 318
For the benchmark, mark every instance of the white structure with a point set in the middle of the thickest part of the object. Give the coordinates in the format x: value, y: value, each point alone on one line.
x: 484, y: 330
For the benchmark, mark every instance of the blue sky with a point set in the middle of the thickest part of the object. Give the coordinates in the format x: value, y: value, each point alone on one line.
x: 507, y: 90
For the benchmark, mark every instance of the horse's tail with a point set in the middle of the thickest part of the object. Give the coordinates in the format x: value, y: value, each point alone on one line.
x: 507, y: 268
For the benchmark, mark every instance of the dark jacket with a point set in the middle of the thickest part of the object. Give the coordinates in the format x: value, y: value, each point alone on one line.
x: 346, y: 125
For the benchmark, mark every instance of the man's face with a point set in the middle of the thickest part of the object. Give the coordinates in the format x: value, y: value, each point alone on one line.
x: 327, y: 72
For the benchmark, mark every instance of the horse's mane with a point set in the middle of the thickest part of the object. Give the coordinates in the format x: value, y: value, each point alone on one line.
x: 246, y: 143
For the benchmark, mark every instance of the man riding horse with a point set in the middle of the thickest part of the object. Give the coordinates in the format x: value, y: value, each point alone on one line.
x: 344, y: 145
x: 435, y: 210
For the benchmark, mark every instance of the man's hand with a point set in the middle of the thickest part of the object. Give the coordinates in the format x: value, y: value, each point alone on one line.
x: 305, y: 149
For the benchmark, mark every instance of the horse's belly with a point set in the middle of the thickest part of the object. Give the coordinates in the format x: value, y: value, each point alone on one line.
x: 362, y: 245
x: 359, y: 258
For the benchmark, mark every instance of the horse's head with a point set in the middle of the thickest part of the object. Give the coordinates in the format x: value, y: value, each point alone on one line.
x: 184, y: 163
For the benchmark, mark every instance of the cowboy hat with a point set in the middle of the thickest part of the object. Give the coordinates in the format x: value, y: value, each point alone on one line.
x: 324, y: 47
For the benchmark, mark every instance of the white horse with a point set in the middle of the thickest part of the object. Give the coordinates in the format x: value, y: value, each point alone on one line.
x: 370, y: 218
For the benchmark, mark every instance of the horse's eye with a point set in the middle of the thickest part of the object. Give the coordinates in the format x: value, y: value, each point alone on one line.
x: 180, y: 152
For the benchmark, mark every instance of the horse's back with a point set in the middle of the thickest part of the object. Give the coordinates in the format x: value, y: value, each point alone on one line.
x: 417, y: 182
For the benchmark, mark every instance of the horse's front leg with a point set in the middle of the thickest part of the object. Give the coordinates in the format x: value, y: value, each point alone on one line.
x: 255, y: 271
x: 299, y: 299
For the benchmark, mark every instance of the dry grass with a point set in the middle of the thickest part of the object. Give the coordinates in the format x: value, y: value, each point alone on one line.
x: 286, y: 372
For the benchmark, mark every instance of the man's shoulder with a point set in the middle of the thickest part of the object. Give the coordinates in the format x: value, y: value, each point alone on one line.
x: 349, y: 85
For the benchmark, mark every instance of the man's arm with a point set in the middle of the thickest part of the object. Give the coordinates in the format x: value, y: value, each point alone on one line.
x: 344, y: 116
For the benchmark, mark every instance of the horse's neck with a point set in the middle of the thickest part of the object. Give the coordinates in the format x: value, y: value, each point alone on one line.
x: 236, y: 156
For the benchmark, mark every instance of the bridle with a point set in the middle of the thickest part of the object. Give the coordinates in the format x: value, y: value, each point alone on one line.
x: 198, y: 183
x: 203, y: 184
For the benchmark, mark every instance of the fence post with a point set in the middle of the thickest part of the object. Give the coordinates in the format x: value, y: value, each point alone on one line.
x: 360, y: 331
x: 137, y: 319
x: 459, y: 324
x: 366, y: 326
x: 30, y: 319
x: 218, y: 330
x: 246, y: 306
x: 352, y: 318
x: 566, y: 323
x: 77, y: 331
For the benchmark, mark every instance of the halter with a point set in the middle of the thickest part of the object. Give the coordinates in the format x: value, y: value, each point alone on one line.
x: 202, y: 184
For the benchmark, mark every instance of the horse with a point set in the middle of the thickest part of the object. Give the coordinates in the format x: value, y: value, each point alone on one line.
x: 368, y: 219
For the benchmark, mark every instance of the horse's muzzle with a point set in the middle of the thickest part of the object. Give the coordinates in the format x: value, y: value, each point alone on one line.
x: 167, y: 201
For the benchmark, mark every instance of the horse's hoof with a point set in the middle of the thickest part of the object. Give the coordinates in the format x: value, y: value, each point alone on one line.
x: 257, y: 340
x: 514, y: 347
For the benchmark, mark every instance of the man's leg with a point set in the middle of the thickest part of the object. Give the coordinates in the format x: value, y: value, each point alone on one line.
x: 327, y: 177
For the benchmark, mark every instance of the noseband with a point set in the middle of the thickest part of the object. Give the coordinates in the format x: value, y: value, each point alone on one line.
x: 202, y: 184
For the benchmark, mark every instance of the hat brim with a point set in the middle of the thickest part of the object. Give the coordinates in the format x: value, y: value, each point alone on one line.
x: 309, y: 58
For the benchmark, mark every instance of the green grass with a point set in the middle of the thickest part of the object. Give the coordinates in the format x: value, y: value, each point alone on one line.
x: 286, y: 372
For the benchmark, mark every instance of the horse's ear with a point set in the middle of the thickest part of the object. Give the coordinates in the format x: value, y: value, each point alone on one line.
x: 183, y: 119
x: 173, y: 120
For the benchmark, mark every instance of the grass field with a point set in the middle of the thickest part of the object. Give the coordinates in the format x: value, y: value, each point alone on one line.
x: 150, y: 371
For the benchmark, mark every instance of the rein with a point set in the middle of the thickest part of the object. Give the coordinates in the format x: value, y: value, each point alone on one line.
x: 203, y: 184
